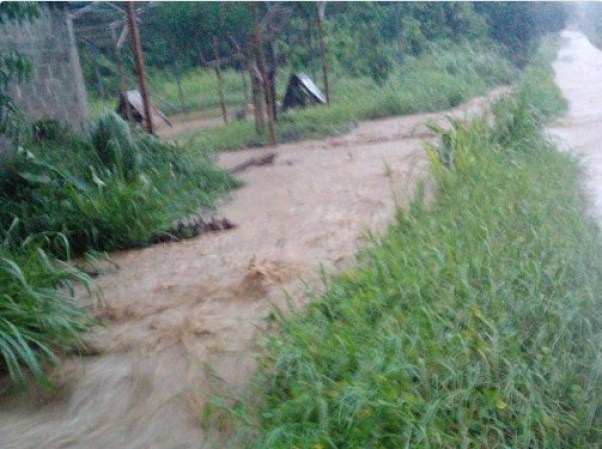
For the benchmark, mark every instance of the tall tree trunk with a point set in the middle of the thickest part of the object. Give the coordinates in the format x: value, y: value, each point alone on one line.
x: 269, y: 101
x: 220, y: 83
x: 272, y: 66
x: 319, y: 16
x: 255, y: 93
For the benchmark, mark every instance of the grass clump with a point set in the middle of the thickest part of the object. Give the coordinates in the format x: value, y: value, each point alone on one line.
x: 475, y: 322
x: 38, y: 318
x: 116, y: 192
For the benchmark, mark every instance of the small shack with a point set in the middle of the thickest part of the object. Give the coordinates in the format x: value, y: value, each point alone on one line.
x: 301, y: 91
x: 134, y: 99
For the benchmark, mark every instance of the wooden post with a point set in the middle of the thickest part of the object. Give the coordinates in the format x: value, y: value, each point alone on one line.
x: 220, y: 84
x: 124, y: 83
x: 129, y: 6
x: 264, y: 76
x: 321, y: 7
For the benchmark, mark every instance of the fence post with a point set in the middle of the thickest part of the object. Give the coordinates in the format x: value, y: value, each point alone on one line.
x: 139, y: 65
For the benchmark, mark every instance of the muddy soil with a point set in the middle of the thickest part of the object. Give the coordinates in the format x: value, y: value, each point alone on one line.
x: 175, y: 309
x: 578, y: 69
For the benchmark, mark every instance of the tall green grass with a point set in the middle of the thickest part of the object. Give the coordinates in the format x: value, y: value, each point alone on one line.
x: 116, y: 192
x: 39, y: 320
x: 475, y: 322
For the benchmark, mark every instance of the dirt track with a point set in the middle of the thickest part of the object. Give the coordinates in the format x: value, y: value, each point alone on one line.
x: 174, y: 308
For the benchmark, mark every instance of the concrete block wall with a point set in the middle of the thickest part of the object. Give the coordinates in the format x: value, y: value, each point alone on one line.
x: 56, y: 88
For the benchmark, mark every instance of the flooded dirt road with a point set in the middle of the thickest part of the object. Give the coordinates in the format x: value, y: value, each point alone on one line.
x: 578, y: 69
x: 174, y: 309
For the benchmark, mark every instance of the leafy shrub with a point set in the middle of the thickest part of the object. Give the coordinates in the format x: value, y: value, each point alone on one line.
x: 116, y: 193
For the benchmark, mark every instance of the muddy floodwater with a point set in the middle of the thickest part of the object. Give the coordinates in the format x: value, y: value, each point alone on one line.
x: 176, y: 312
x: 578, y: 69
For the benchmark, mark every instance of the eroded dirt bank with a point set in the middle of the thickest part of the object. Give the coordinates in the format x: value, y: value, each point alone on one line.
x: 174, y: 308
x: 578, y: 69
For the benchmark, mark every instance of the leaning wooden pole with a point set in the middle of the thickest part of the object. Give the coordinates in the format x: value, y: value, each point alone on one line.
x: 321, y: 6
x: 137, y: 47
x: 220, y: 82
x: 124, y: 83
x: 264, y: 77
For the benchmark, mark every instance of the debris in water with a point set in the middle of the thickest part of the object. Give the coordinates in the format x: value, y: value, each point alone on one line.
x: 268, y: 159
x: 192, y: 227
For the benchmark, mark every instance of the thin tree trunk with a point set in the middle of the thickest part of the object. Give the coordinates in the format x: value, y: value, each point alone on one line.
x: 323, y: 51
x: 243, y: 66
x: 220, y: 84
x: 269, y: 101
x: 271, y: 60
x: 255, y: 94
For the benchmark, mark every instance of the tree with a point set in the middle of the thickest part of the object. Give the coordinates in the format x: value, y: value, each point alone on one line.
x: 518, y: 25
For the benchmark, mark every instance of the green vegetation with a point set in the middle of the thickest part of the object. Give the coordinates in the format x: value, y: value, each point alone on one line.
x: 442, y: 78
x: 116, y: 192
x: 474, y: 322
x: 180, y: 42
x: 38, y: 317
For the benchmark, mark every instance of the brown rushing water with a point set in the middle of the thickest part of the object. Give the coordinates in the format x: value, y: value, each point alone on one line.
x: 578, y: 69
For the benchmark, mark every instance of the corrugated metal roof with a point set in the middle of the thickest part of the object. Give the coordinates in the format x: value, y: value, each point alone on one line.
x: 135, y: 100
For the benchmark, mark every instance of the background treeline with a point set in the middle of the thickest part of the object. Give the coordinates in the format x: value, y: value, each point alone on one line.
x: 180, y: 36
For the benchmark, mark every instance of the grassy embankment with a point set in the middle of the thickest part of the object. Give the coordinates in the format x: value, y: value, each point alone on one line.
x: 66, y: 196
x: 474, y: 322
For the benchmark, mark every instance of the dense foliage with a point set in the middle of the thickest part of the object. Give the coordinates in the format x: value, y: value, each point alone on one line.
x: 115, y: 192
x: 178, y: 36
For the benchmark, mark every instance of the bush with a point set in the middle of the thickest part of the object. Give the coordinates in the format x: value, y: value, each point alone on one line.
x: 115, y: 193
